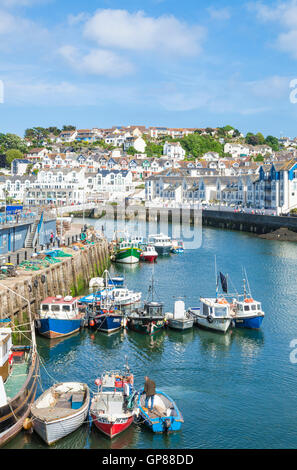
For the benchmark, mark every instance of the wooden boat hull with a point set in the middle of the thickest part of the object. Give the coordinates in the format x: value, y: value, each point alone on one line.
x: 52, y: 431
x: 111, y: 429
x: 12, y: 415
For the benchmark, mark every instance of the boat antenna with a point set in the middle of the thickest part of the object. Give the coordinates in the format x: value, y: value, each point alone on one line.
x: 248, y: 284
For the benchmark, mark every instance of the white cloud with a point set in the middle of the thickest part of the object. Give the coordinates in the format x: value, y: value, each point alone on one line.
x: 138, y: 32
x: 220, y: 14
x: 97, y: 61
x: 285, y: 14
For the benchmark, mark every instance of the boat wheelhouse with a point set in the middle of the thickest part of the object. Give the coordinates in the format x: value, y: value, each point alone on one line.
x: 59, y: 316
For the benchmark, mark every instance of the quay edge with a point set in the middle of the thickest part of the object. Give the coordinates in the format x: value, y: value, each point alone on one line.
x: 69, y: 276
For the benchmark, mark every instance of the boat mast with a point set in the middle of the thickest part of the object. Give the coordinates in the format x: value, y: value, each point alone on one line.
x: 216, y: 277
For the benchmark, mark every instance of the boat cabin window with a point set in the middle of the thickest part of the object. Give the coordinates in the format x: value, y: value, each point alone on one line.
x: 240, y: 307
x: 45, y: 308
x: 253, y: 307
x: 246, y: 308
x: 66, y: 308
x: 55, y: 308
x: 205, y: 309
x: 220, y: 312
x: 259, y: 306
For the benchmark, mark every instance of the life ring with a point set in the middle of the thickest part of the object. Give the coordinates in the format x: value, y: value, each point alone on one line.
x: 249, y: 301
x: 210, y: 319
x: 43, y: 278
x: 222, y: 301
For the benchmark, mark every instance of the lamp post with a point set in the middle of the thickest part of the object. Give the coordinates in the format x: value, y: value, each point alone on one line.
x: 29, y: 309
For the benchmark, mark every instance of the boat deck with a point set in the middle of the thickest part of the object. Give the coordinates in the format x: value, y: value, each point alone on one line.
x: 49, y: 414
x: 16, y: 379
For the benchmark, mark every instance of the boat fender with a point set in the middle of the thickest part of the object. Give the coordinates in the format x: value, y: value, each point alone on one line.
x: 27, y: 424
x: 38, y: 324
x: 210, y: 319
x: 35, y: 283
x: 43, y: 278
x: 30, y: 288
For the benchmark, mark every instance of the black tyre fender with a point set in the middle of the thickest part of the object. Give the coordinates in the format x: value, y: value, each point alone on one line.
x: 43, y: 278
x: 210, y: 319
x: 35, y: 283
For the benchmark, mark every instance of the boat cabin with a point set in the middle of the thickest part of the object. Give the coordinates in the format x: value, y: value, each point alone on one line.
x: 60, y: 307
x: 248, y: 307
x: 218, y: 308
x: 154, y: 309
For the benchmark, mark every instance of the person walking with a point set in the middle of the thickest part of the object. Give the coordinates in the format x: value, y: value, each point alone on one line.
x: 52, y: 238
x: 150, y: 390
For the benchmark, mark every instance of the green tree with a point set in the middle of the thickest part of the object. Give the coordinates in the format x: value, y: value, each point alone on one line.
x: 12, y: 154
x: 272, y: 142
x: 197, y: 145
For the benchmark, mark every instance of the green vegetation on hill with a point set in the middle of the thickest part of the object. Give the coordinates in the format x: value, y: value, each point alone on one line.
x: 197, y: 145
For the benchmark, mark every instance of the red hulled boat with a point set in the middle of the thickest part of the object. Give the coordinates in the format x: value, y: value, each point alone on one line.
x: 111, y: 408
x: 149, y: 254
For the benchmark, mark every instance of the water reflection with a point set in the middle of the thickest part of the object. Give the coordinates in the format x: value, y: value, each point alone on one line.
x: 150, y: 344
x: 180, y: 337
x: 110, y: 341
x: 215, y: 342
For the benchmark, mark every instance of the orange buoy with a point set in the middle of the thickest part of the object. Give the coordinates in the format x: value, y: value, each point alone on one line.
x: 91, y: 323
x: 27, y: 424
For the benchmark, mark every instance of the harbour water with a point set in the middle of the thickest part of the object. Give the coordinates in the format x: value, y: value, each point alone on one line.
x: 236, y: 390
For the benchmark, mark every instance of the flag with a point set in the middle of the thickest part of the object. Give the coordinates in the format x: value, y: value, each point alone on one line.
x: 224, y: 283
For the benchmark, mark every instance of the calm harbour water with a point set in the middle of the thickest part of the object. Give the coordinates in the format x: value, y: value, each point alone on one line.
x: 236, y: 390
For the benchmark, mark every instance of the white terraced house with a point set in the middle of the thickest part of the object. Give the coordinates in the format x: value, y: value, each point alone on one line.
x: 174, y: 150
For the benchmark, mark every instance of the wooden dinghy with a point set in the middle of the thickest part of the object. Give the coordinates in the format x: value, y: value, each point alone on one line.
x: 164, y: 417
x: 60, y: 410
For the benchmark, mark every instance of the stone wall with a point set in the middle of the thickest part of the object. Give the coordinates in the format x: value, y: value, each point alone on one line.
x: 67, y: 277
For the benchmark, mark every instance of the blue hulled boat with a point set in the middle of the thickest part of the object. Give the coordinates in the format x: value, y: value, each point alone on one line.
x: 165, y: 416
x: 59, y: 316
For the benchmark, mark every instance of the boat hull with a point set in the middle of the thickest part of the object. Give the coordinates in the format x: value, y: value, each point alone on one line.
x: 145, y: 326
x: 12, y: 416
x: 251, y: 322
x: 111, y: 429
x: 180, y: 324
x: 55, y: 328
x: 52, y: 431
x: 149, y: 258
x: 163, y: 250
x: 128, y: 255
x: 108, y: 323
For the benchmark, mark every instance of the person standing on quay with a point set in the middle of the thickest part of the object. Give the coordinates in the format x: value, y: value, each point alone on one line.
x: 150, y: 390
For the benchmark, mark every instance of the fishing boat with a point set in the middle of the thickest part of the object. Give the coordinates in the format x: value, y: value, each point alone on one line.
x: 148, y: 319
x: 161, y: 243
x: 102, y: 313
x: 149, y: 254
x: 213, y: 314
x: 19, y: 372
x: 59, y: 316
x: 165, y: 415
x: 180, y: 319
x: 121, y: 297
x: 112, y: 408
x: 113, y: 281
x: 127, y: 251
x: 247, y: 313
x: 60, y: 410
x: 177, y: 246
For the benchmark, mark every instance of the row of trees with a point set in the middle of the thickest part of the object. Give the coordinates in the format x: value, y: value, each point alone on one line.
x: 259, y: 139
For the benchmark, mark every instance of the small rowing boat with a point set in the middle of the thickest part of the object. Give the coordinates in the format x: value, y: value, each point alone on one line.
x: 165, y: 415
x: 60, y: 410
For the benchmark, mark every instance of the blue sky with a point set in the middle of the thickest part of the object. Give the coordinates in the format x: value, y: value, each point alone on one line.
x: 149, y: 62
